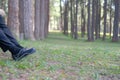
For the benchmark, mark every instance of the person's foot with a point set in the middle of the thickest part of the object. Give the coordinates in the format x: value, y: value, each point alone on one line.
x: 23, y: 53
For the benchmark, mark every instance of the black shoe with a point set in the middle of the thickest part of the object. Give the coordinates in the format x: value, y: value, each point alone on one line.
x: 23, y: 53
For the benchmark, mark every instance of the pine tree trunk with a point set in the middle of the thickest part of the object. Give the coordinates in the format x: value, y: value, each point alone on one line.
x: 93, y: 20
x: 116, y: 21
x: 27, y: 18
x: 41, y: 19
x: 21, y: 18
x: 13, y: 22
x: 37, y: 19
x: 88, y: 23
x: 42, y: 25
x: 76, y: 21
x: 46, y: 17
x: 71, y: 17
x: 66, y: 17
x: 105, y: 19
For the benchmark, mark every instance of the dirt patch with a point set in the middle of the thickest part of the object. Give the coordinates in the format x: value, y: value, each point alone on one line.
x: 110, y: 77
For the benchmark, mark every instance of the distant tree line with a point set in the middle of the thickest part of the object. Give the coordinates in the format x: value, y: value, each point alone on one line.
x: 27, y: 19
x: 96, y: 18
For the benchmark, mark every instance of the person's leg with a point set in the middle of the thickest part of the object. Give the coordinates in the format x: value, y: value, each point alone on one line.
x: 9, y: 35
x: 17, y: 53
x: 4, y: 49
x: 6, y: 44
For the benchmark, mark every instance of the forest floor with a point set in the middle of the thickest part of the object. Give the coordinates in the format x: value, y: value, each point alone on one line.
x: 61, y: 58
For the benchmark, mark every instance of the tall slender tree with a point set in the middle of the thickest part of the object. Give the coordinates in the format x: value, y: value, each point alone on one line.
x: 97, y: 19
x: 37, y: 19
x: 76, y: 20
x: 47, y: 2
x: 71, y: 18
x: 27, y: 16
x: 41, y: 19
x: 116, y: 21
x: 66, y: 17
x: 83, y: 18
x: 93, y: 19
x: 89, y: 23
x: 21, y: 17
x: 110, y: 18
x: 13, y: 22
x: 105, y: 19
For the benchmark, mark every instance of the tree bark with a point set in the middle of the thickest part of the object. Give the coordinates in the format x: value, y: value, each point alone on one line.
x: 27, y: 17
x: 13, y: 21
x: 88, y: 23
x: 116, y: 21
x: 105, y: 19
x: 37, y: 19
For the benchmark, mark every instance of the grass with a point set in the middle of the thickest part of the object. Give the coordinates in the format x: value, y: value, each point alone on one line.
x: 61, y: 58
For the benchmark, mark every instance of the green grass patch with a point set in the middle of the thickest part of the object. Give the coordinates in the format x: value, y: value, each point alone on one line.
x: 61, y: 58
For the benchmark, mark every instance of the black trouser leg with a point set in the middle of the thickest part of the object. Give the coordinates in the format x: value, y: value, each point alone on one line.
x: 6, y: 44
x: 4, y: 49
x: 10, y: 37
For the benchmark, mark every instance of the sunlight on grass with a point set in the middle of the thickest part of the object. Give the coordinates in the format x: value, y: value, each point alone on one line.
x: 61, y: 58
